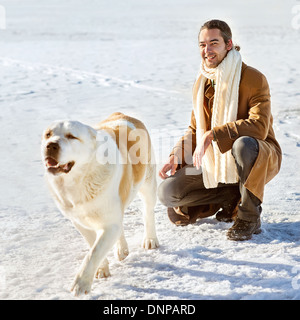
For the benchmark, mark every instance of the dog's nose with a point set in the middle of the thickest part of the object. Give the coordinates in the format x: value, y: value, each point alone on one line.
x: 52, y: 147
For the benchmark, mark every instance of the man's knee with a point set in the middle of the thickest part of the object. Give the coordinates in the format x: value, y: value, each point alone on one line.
x: 167, y: 194
x: 245, y: 151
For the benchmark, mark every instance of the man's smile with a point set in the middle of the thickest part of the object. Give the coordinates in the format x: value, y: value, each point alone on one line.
x: 211, y: 57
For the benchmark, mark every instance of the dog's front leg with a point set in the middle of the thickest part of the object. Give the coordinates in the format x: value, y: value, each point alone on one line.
x: 121, y: 250
x: 105, y: 240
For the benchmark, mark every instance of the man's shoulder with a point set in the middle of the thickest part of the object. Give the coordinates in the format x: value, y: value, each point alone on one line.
x: 252, y: 77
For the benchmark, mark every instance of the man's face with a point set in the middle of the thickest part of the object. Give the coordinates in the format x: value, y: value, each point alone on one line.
x: 213, y: 49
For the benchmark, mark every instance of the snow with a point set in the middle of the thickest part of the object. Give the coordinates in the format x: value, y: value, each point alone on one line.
x: 86, y: 59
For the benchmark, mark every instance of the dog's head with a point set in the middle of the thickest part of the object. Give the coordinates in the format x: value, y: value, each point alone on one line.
x: 67, y: 145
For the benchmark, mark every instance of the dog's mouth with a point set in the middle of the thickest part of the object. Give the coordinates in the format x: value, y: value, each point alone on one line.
x: 54, y: 167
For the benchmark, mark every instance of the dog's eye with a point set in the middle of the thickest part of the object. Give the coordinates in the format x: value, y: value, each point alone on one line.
x: 70, y: 136
x: 48, y: 134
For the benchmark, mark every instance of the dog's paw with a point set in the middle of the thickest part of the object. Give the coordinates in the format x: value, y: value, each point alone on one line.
x: 103, y: 272
x: 81, y: 286
x: 150, y: 243
x: 121, y: 252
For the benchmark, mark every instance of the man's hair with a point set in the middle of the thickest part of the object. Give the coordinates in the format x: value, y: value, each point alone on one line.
x: 223, y: 27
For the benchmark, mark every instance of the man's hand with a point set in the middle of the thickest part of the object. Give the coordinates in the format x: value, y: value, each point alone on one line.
x: 170, y: 165
x: 201, y: 148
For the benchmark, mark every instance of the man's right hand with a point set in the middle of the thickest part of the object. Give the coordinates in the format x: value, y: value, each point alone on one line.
x: 172, y: 165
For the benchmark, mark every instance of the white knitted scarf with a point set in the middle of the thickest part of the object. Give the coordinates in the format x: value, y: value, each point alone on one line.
x: 218, y: 167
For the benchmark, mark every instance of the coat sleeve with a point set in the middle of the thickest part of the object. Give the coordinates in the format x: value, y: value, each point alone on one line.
x: 259, y: 113
x: 186, y: 145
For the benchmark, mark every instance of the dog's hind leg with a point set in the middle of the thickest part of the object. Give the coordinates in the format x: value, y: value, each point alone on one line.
x: 105, y: 240
x: 148, y: 194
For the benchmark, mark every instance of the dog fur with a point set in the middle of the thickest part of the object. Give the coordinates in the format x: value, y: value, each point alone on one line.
x: 94, y: 192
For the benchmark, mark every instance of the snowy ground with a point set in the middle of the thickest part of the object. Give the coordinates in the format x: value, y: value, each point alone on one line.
x: 86, y: 59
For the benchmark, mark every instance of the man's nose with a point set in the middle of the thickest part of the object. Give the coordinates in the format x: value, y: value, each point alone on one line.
x: 208, y: 49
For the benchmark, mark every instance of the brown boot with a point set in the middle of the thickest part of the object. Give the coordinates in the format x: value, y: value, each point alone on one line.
x: 180, y: 218
x: 243, y: 230
x: 229, y: 212
x: 203, y: 211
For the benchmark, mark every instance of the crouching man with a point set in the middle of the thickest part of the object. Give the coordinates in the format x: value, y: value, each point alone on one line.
x: 229, y: 152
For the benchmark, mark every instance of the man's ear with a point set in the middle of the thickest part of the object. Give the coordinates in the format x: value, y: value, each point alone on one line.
x: 229, y: 45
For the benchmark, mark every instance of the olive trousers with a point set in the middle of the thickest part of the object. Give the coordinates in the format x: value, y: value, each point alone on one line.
x: 186, y: 188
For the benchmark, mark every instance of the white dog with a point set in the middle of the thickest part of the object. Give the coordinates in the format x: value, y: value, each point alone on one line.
x: 94, y: 174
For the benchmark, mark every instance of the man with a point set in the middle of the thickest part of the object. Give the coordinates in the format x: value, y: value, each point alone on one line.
x: 229, y: 151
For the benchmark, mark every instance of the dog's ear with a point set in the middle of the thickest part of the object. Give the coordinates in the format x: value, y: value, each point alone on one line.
x: 93, y: 134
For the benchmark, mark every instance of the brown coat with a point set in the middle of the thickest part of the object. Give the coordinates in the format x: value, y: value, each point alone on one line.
x: 254, y: 119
